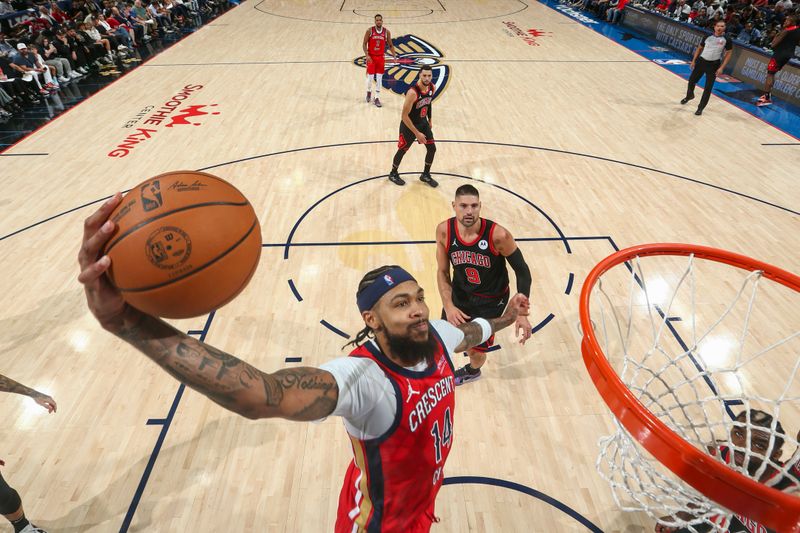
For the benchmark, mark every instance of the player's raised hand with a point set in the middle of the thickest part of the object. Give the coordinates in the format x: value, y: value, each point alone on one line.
x: 104, y: 300
x: 455, y: 315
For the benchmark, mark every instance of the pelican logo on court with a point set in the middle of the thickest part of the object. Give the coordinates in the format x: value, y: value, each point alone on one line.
x: 151, y: 196
x: 168, y: 247
x: 191, y: 111
x: 412, y: 54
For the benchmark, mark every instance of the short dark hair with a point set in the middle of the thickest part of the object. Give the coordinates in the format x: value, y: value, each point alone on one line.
x: 467, y: 190
x: 378, y: 15
x: 426, y: 68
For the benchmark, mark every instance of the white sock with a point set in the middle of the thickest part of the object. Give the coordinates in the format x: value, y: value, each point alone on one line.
x: 369, y: 82
x: 378, y: 84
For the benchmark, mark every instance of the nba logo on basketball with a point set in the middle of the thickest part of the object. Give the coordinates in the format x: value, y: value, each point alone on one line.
x: 151, y: 196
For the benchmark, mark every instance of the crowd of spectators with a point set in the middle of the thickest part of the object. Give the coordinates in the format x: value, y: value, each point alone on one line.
x: 47, y: 45
x: 752, y: 22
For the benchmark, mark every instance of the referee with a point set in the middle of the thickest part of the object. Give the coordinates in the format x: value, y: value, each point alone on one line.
x: 708, y: 60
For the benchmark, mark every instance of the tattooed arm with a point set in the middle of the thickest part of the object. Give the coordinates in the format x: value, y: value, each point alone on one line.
x: 9, y: 385
x: 296, y: 393
x: 473, y: 333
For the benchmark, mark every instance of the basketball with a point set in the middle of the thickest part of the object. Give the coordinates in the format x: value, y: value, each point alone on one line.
x: 186, y: 243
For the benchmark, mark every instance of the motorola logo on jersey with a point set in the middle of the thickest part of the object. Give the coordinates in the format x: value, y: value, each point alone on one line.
x: 483, y: 244
x: 412, y: 54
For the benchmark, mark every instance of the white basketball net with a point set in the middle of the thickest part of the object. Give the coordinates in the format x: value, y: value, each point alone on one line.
x: 694, y: 361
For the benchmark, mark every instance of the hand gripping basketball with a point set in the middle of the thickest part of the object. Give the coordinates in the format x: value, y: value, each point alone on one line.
x: 104, y: 300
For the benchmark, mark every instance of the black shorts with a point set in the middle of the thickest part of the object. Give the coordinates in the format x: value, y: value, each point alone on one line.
x: 777, y: 63
x: 481, y: 308
x: 407, y: 137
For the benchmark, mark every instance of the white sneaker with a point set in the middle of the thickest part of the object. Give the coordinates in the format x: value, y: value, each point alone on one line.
x: 63, y: 79
x: 74, y: 74
x: 30, y: 528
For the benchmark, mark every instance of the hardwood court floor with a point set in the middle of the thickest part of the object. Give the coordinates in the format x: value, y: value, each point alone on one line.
x: 579, y: 143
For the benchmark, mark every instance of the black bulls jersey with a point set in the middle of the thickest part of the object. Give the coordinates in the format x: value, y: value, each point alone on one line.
x: 479, y: 271
x: 422, y: 105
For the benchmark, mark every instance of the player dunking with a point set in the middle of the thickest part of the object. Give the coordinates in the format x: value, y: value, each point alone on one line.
x: 375, y: 41
x: 416, y: 124
x: 395, y: 391
x: 477, y: 249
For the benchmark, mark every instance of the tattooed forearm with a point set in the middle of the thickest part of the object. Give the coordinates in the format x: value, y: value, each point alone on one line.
x: 503, y: 322
x: 297, y: 393
x: 9, y: 385
x: 309, y: 393
x: 473, y: 333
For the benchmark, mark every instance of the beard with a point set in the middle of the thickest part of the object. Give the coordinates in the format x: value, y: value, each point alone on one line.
x: 409, y: 351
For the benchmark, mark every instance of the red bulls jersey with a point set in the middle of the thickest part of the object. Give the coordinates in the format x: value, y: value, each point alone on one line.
x: 376, y: 45
x: 421, y: 109
x: 479, y: 271
x: 392, y: 482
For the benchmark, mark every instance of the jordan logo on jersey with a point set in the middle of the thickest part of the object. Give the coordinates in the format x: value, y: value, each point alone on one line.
x: 412, y: 53
x: 411, y: 391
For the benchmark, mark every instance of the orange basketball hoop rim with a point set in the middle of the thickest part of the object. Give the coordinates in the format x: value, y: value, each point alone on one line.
x: 766, y: 505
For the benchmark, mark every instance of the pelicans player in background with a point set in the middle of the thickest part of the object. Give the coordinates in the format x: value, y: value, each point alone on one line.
x: 374, y: 45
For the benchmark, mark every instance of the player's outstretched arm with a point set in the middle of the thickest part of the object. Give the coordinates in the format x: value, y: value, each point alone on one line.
x: 9, y: 385
x: 296, y: 393
x: 473, y: 332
